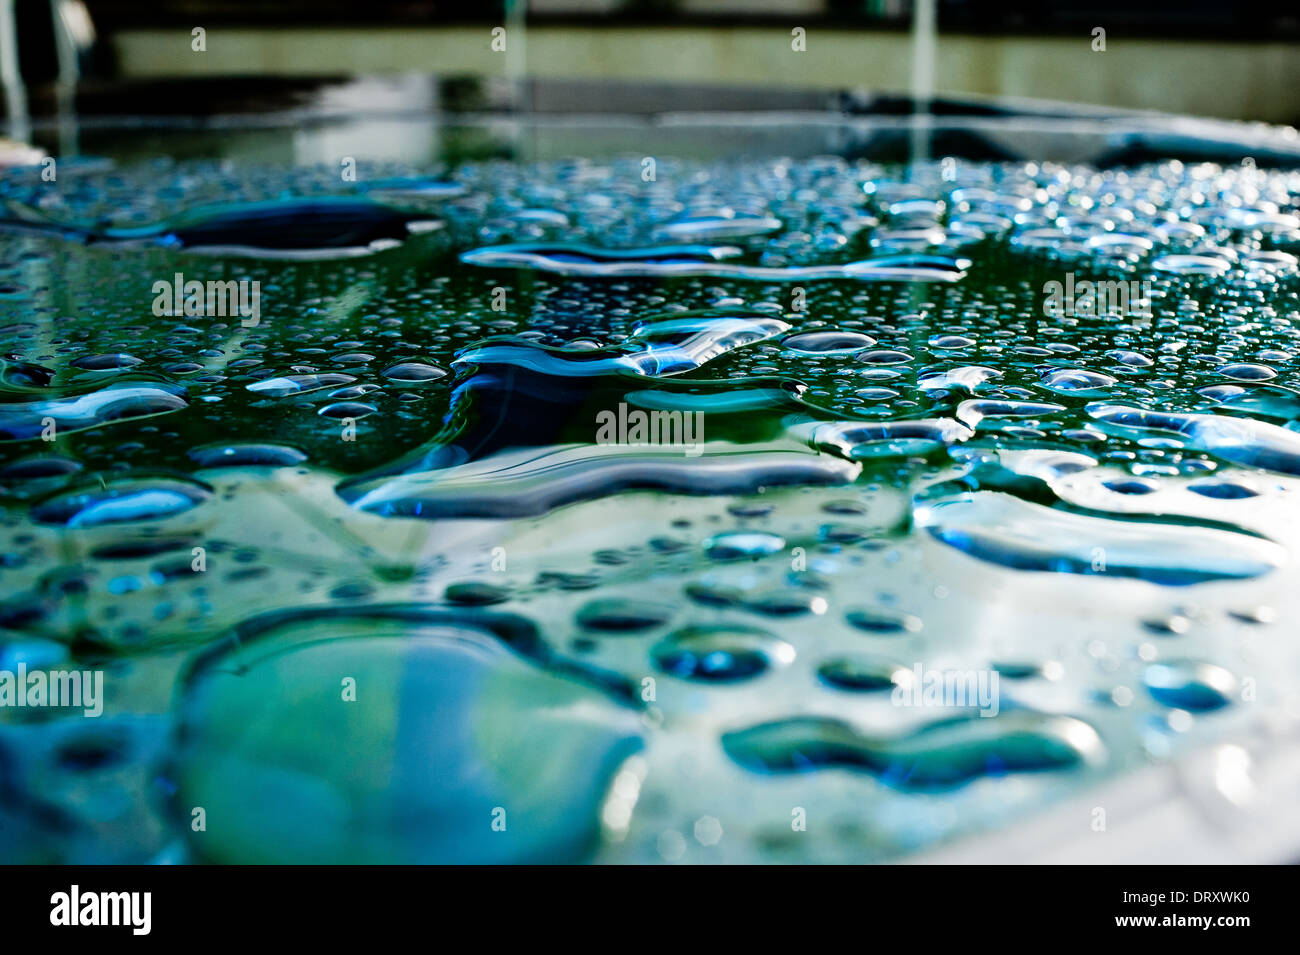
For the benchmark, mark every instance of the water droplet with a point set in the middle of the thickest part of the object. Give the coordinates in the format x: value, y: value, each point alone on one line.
x: 721, y: 654
x: 1193, y: 686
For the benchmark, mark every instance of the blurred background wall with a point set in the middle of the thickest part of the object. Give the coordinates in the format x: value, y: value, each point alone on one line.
x: 1231, y: 60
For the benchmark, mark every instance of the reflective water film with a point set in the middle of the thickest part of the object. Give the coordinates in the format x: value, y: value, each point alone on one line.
x: 786, y: 510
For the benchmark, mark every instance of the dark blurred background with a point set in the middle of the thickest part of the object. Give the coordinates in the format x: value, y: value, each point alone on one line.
x: 1227, y: 60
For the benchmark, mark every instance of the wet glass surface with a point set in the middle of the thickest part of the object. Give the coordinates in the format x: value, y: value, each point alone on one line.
x: 542, y: 509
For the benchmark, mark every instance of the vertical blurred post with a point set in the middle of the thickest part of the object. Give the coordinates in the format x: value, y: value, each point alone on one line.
x: 516, y: 69
x: 11, y: 76
x: 65, y: 87
x: 923, y: 51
